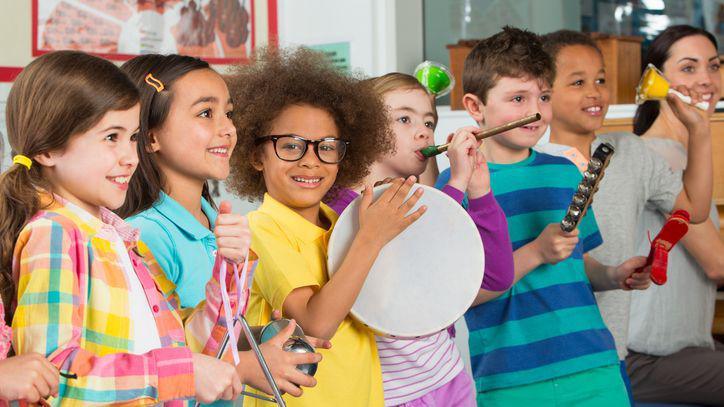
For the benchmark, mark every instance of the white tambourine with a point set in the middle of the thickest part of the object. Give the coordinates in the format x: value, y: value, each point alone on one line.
x: 424, y: 279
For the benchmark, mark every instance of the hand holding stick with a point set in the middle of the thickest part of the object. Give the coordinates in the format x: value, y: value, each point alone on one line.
x: 432, y: 151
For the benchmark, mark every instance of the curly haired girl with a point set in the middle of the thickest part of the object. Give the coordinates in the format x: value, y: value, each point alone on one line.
x: 302, y: 126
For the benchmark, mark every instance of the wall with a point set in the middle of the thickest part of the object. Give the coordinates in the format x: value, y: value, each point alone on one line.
x: 445, y: 21
x: 384, y: 36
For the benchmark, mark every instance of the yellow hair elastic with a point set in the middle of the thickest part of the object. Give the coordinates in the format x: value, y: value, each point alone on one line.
x: 23, y: 160
x: 158, y: 85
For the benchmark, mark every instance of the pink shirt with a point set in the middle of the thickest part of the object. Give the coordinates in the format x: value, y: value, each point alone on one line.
x: 6, y: 334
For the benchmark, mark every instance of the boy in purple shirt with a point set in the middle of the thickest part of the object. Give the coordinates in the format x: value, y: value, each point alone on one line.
x: 430, y: 371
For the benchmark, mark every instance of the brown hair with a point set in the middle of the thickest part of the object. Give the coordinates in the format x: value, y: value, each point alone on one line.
x: 57, y: 96
x: 276, y: 79
x: 400, y: 81
x: 148, y: 181
x: 511, y: 53
x: 554, y: 42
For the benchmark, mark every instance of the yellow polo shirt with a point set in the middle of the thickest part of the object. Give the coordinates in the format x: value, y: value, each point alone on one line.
x: 292, y: 254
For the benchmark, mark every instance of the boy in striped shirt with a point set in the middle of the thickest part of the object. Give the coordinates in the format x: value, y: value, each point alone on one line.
x: 542, y: 342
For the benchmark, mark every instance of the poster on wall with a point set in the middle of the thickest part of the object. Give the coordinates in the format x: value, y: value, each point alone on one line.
x: 7, y: 76
x: 219, y: 31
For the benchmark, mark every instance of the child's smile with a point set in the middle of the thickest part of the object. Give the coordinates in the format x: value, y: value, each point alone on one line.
x: 121, y: 181
x: 307, y: 181
x: 198, y: 137
x: 299, y: 184
x: 94, y: 169
x: 221, y: 151
x: 580, y: 95
x: 595, y: 110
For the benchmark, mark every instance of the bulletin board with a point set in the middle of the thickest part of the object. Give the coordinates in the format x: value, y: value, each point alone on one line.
x: 219, y: 31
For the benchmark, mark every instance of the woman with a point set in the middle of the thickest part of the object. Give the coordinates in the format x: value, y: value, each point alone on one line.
x: 673, y: 356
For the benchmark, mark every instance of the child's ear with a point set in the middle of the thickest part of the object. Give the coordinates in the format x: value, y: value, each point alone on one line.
x: 46, y: 159
x: 255, y: 160
x: 153, y: 146
x: 475, y: 107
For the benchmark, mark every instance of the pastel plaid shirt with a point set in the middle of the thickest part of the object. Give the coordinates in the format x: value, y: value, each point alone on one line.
x: 73, y: 308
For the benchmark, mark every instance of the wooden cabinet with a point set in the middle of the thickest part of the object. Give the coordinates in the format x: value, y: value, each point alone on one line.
x: 458, y: 52
x: 622, y: 58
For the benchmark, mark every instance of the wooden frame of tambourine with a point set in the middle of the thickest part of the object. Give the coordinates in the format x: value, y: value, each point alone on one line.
x: 263, y: 30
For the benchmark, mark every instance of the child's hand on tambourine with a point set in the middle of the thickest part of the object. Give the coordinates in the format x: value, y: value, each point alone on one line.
x: 233, y: 236
x: 387, y: 180
x: 385, y: 218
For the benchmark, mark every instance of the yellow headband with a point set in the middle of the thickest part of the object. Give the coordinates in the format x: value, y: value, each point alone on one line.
x: 155, y: 83
x: 23, y: 160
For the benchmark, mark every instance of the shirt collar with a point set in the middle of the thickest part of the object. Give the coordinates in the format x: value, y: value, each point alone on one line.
x: 105, y: 227
x: 183, y: 219
x: 295, y: 222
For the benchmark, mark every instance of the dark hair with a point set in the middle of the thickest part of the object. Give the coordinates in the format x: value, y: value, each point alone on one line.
x: 148, y: 181
x: 57, y: 96
x: 512, y: 53
x: 657, y: 55
x: 277, y: 79
x: 554, y: 42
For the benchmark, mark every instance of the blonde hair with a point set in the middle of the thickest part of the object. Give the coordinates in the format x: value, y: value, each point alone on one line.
x: 400, y: 81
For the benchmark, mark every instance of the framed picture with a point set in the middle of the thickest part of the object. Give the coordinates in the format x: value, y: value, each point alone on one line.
x: 7, y: 76
x: 219, y: 31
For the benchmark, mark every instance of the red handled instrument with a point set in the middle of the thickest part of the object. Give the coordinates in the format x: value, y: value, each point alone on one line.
x: 673, y: 230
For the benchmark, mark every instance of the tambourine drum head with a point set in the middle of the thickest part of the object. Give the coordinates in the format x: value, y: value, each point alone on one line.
x: 424, y: 279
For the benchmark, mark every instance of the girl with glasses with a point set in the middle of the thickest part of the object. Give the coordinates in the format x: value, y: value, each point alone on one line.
x: 302, y: 127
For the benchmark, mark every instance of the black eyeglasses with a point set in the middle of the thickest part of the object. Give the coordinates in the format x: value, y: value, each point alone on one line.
x: 290, y: 147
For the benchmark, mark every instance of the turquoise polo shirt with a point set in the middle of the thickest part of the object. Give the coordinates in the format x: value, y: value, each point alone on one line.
x: 183, y: 247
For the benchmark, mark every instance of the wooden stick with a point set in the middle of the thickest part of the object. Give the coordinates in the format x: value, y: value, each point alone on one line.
x: 432, y: 151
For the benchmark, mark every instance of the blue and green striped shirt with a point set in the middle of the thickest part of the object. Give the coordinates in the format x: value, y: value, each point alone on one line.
x: 548, y: 324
